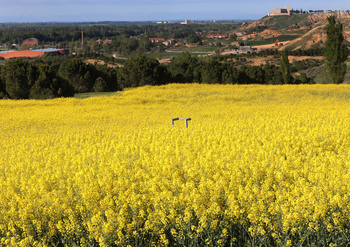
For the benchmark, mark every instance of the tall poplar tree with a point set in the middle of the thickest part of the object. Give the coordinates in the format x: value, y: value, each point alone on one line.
x: 285, y: 69
x: 335, y: 52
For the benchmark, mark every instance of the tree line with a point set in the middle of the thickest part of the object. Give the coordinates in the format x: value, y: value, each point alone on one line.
x: 301, y: 11
x: 63, y: 77
x: 51, y: 78
x: 72, y: 33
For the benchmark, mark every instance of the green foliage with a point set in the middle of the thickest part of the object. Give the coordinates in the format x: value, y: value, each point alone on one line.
x: 193, y: 38
x: 231, y: 75
x: 305, y: 64
x: 182, y: 67
x: 286, y: 21
x: 110, y: 76
x: 48, y: 84
x: 100, y: 85
x: 46, y: 78
x: 64, y: 33
x: 253, y: 74
x: 285, y: 69
x: 77, y: 73
x: 16, y: 80
x: 233, y: 37
x: 336, y: 52
x: 95, y: 94
x: 212, y: 72
x: 140, y: 71
x: 2, y: 84
x: 304, y: 79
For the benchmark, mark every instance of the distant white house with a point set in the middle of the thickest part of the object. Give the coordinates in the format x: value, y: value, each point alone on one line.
x: 283, y: 11
x: 185, y: 22
x: 168, y: 41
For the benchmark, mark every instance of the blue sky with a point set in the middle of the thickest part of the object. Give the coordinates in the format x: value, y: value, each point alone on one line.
x: 152, y: 10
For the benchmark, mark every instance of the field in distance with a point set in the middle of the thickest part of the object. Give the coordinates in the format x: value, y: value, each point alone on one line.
x: 257, y: 164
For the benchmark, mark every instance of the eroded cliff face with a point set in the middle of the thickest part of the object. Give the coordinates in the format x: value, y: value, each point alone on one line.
x: 322, y: 17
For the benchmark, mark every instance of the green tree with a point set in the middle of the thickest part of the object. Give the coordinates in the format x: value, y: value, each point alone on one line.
x: 95, y: 47
x: 193, y: 38
x: 2, y: 84
x: 212, y: 72
x: 78, y: 74
x: 140, y: 71
x: 231, y: 75
x: 285, y: 69
x: 183, y: 66
x: 100, y: 85
x: 233, y: 37
x: 16, y: 80
x: 336, y: 52
x: 48, y: 85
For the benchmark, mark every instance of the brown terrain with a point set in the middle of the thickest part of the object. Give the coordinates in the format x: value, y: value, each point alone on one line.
x: 101, y: 62
x: 257, y: 61
x: 313, y: 27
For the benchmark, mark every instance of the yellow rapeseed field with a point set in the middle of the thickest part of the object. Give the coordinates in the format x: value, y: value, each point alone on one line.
x: 257, y: 166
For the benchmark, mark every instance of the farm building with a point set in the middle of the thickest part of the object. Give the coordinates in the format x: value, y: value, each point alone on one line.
x: 33, y: 53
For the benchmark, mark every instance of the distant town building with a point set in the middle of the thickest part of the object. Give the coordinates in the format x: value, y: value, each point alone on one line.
x: 104, y: 42
x: 168, y: 41
x: 33, y: 53
x: 217, y: 36
x: 240, y: 34
x: 30, y: 41
x: 277, y: 12
x: 185, y: 22
x: 155, y: 40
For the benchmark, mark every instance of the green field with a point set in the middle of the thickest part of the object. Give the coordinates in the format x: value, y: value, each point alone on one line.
x: 94, y: 94
x: 281, y: 38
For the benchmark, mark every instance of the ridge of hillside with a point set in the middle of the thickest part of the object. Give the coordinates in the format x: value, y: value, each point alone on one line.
x: 304, y: 30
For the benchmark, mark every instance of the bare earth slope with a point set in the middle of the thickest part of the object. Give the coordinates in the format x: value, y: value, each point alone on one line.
x: 309, y: 27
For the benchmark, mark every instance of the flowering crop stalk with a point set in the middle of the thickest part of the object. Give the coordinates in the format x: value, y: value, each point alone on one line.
x: 262, y: 165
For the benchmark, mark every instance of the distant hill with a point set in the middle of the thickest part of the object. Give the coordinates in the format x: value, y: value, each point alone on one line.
x: 300, y: 30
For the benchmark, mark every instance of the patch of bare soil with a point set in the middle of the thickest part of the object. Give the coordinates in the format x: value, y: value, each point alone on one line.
x: 269, y: 33
x: 271, y: 60
x: 164, y: 60
x: 300, y: 58
x: 314, y: 36
x: 268, y: 46
x: 101, y: 62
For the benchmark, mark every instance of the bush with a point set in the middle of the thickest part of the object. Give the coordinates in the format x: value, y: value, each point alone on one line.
x: 100, y: 85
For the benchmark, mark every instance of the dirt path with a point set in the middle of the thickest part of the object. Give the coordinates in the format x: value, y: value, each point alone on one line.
x: 268, y: 46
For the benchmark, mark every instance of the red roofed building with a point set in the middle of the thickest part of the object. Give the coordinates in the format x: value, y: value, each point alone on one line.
x: 169, y: 41
x: 154, y: 40
x: 14, y: 54
x: 31, y: 41
x: 34, y: 53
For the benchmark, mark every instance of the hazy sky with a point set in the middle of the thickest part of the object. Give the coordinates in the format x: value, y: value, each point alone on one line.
x: 152, y: 10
